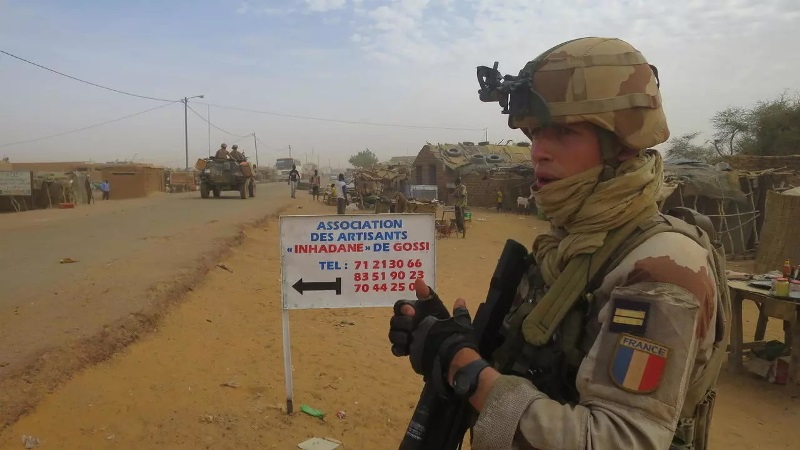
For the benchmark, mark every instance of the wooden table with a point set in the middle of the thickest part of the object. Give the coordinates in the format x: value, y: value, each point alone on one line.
x: 769, y: 306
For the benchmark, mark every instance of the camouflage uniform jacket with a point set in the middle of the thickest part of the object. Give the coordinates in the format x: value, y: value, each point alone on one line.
x: 236, y: 155
x: 632, y: 382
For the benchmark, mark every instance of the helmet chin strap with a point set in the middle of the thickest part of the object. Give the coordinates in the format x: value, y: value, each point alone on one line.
x: 609, y: 151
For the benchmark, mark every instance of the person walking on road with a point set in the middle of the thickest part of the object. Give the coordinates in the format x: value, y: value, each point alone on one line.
x: 315, y: 183
x: 294, y: 177
x: 341, y: 189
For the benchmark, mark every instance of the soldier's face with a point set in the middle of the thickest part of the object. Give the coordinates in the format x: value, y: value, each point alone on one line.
x: 562, y: 151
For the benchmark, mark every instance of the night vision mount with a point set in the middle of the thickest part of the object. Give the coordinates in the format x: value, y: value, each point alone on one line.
x: 514, y: 93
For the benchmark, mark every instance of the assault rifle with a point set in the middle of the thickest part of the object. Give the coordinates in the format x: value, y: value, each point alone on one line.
x: 440, y: 422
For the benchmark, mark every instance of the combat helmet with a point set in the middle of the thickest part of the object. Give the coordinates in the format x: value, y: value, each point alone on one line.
x: 603, y: 81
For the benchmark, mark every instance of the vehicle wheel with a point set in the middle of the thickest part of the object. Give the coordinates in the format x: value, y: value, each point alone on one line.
x: 217, y: 191
x: 252, y: 189
x: 243, y: 190
x: 203, y: 190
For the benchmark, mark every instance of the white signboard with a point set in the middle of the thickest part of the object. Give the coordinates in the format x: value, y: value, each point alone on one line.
x: 359, y: 260
x: 15, y: 183
x: 346, y: 261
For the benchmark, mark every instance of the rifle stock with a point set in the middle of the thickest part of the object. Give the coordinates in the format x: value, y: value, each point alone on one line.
x: 439, y: 422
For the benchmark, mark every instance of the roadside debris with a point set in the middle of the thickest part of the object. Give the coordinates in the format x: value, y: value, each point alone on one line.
x: 33, y: 442
x: 312, y: 412
x: 319, y: 444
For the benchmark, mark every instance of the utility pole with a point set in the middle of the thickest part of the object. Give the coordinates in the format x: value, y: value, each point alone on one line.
x: 486, y: 134
x: 290, y: 150
x: 255, y: 144
x: 209, y: 131
x: 186, y: 126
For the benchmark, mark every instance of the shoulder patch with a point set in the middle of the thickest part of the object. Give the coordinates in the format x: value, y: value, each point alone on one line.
x: 638, y: 364
x: 629, y: 316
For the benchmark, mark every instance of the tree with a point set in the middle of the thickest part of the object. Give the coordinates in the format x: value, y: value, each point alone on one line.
x: 731, y: 123
x: 364, y: 158
x: 774, y: 128
x: 682, y: 147
x: 770, y: 128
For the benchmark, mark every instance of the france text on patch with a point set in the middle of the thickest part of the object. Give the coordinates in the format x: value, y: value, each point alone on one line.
x: 638, y: 364
x: 629, y: 317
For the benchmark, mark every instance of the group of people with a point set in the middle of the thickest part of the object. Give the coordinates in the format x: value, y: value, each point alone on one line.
x: 234, y: 154
x: 338, y: 188
x: 105, y: 189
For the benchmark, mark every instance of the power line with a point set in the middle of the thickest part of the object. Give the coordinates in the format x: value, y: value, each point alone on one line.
x: 218, y: 128
x: 87, y: 127
x: 269, y: 147
x: 295, y: 116
x: 84, y: 81
x: 352, y: 122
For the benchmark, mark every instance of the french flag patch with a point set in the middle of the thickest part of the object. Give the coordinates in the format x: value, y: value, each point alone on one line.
x: 638, y: 364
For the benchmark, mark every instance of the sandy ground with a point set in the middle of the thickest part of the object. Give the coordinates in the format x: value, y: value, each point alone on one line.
x: 133, y: 256
x: 166, y: 390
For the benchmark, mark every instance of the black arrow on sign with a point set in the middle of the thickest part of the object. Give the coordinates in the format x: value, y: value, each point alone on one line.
x: 301, y: 286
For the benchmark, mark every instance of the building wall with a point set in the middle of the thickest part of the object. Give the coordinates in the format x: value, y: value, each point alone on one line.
x: 483, y: 193
x: 429, y: 170
x: 132, y: 181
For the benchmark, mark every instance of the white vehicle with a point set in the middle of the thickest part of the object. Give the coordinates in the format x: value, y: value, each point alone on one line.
x: 284, y: 166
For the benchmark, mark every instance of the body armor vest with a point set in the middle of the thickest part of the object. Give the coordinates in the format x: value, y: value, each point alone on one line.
x: 545, y: 333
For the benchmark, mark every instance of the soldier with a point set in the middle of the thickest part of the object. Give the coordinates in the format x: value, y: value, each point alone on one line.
x: 235, y: 154
x: 624, y: 357
x: 222, y: 153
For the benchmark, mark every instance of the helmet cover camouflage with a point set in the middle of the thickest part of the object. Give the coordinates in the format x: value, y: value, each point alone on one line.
x: 604, y: 81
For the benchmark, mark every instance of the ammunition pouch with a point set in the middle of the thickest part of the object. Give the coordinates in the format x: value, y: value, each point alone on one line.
x: 548, y: 368
x: 692, y: 433
x: 553, y: 367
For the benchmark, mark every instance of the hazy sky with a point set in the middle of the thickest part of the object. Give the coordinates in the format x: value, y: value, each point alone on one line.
x: 408, y: 62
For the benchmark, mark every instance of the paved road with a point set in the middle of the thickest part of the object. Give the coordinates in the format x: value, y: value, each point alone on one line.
x: 130, y: 253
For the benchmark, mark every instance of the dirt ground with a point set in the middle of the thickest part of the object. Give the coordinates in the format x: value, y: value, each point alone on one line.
x: 133, y: 257
x: 167, y: 390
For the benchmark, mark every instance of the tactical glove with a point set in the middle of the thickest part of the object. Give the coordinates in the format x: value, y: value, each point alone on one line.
x: 401, y: 326
x: 435, y: 342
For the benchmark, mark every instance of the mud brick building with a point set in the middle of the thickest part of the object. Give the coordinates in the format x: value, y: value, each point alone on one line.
x: 484, y: 168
